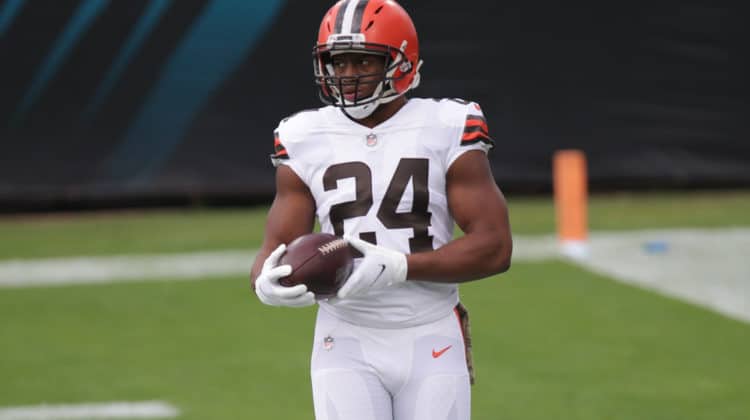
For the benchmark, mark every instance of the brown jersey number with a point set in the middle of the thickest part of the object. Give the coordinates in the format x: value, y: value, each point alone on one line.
x: 418, y: 219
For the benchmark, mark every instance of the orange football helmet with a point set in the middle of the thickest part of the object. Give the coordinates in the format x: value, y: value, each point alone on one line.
x: 380, y: 27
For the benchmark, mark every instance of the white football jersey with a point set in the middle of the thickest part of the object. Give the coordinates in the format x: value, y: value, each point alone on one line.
x: 387, y: 185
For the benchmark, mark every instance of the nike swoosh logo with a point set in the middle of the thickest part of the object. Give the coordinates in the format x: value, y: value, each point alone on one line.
x: 382, y: 269
x: 436, y: 354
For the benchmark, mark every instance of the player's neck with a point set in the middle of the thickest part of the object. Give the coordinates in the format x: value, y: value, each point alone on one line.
x: 383, y: 112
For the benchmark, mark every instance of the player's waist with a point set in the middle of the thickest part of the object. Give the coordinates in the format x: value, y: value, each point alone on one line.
x: 399, y: 307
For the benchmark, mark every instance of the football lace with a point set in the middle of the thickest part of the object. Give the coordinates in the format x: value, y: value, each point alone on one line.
x: 332, y: 246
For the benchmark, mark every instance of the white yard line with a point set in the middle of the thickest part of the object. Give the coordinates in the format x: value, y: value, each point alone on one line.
x: 89, y: 270
x: 108, y: 410
x: 706, y: 267
x: 186, y: 266
x: 709, y: 267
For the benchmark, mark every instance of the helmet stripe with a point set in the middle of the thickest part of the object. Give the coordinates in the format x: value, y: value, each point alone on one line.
x: 351, y: 7
x: 340, y: 17
x: 358, y: 13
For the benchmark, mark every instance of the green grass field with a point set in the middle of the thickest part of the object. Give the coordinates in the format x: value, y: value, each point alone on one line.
x: 552, y: 341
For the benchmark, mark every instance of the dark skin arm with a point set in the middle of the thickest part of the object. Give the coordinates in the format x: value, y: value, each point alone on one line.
x: 479, y: 209
x: 292, y: 215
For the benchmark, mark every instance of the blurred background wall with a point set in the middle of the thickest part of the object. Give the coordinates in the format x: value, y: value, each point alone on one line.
x: 128, y: 102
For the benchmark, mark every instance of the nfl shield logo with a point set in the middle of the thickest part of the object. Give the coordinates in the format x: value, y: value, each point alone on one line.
x: 372, y: 140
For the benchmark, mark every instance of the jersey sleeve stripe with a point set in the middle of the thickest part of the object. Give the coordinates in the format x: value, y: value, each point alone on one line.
x: 471, y: 117
x: 476, y: 137
x: 472, y: 136
x: 278, y: 148
x: 475, y: 119
x: 280, y: 151
x: 474, y: 129
x: 276, y: 157
x: 472, y: 126
x: 473, y: 122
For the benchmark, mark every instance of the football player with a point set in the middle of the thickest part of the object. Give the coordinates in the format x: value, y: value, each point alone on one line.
x: 392, y: 175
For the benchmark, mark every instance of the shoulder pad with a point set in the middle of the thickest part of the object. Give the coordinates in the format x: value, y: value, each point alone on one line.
x: 452, y: 112
x: 298, y: 123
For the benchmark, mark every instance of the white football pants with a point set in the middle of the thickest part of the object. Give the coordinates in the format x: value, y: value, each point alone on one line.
x: 416, y: 373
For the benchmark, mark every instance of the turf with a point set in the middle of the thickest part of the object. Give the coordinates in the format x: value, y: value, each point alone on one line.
x: 154, y: 231
x: 204, y: 346
x: 655, y: 210
x: 551, y: 340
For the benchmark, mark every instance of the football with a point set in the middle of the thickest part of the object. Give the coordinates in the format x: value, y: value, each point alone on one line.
x: 320, y: 261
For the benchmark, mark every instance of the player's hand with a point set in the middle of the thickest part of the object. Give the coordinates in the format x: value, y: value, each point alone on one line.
x: 272, y: 293
x: 380, y: 267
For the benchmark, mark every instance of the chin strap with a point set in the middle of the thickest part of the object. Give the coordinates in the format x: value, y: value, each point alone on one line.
x: 362, y: 111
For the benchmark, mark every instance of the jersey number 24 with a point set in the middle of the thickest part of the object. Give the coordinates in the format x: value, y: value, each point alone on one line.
x: 417, y: 219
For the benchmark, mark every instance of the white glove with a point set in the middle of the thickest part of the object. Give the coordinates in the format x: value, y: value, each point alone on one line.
x: 380, y: 267
x: 269, y: 290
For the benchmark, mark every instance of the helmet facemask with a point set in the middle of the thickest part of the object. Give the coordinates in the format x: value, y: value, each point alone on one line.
x: 331, y: 87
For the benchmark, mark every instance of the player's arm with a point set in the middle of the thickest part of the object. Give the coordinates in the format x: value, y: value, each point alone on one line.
x: 479, y: 209
x: 291, y: 215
